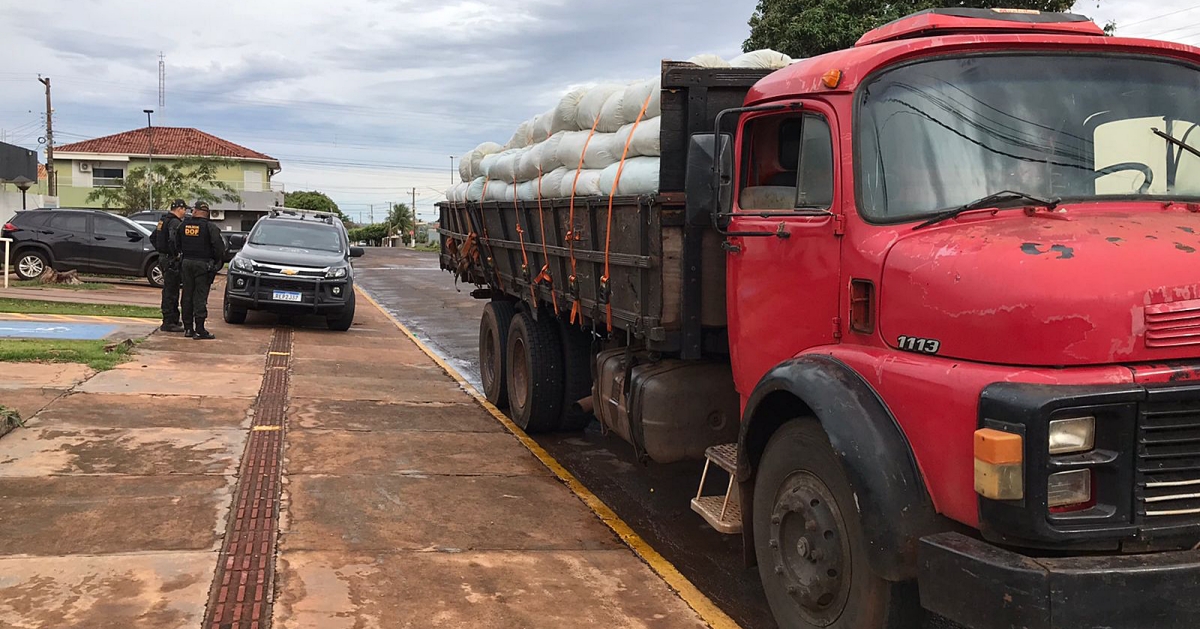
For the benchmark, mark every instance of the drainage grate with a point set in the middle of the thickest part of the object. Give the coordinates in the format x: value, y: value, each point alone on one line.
x: 240, y: 597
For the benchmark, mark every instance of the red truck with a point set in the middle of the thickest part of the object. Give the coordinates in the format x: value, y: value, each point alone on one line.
x: 933, y: 302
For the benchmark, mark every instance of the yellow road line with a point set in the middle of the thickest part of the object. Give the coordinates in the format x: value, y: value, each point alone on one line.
x: 279, y: 353
x: 266, y: 428
x: 703, y: 606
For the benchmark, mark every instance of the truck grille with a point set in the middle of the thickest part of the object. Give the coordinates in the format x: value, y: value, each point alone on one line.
x: 1169, y: 462
x: 1173, y: 325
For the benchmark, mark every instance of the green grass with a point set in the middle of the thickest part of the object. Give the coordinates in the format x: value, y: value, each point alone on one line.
x: 90, y: 353
x: 37, y: 284
x: 33, y: 306
x: 429, y: 246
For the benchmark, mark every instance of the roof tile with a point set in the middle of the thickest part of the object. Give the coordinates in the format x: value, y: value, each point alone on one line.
x: 184, y: 141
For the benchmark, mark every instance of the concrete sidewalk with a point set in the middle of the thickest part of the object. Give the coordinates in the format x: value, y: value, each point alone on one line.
x: 405, y: 504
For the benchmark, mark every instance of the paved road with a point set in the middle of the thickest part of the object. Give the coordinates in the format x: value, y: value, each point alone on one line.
x: 653, y: 499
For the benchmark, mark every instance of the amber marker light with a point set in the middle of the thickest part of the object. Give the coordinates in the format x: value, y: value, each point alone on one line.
x: 832, y: 78
x: 999, y: 465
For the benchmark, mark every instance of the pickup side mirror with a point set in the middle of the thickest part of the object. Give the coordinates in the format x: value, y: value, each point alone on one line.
x: 708, y: 157
x: 134, y: 235
x: 237, y: 240
x: 357, y: 252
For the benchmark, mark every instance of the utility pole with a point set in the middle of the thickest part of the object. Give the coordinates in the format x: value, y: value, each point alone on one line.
x: 451, y: 170
x: 150, y: 169
x: 372, y: 210
x: 413, y: 209
x: 51, y: 176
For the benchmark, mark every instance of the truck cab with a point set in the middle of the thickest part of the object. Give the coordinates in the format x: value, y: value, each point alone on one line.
x: 963, y: 254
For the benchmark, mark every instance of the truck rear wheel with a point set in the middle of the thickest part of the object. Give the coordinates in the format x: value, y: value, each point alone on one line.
x: 812, y: 555
x: 493, y: 350
x: 535, y: 374
x: 577, y: 374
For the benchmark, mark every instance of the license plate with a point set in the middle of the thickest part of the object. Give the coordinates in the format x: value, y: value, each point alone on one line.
x: 283, y: 295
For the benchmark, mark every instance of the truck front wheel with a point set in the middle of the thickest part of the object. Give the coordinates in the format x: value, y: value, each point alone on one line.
x: 535, y: 374
x: 493, y: 345
x: 811, y: 551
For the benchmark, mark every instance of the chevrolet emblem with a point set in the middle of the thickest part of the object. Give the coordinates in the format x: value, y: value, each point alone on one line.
x: 290, y: 271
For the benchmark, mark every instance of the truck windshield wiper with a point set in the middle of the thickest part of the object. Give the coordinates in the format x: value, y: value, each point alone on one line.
x: 1176, y: 141
x: 992, y: 201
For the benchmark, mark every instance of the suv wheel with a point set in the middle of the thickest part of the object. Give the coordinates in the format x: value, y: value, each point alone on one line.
x: 155, y: 274
x: 31, y: 265
x: 344, y: 319
x: 232, y: 314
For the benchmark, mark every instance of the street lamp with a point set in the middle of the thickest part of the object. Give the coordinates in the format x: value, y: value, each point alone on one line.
x: 150, y: 169
x: 23, y: 183
x: 451, y: 170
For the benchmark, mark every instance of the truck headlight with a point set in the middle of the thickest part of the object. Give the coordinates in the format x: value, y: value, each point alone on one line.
x: 335, y: 273
x: 242, y: 264
x: 1077, y: 434
x: 1069, y: 488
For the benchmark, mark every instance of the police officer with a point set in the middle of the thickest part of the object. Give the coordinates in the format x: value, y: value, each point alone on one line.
x: 169, y: 262
x: 203, y: 251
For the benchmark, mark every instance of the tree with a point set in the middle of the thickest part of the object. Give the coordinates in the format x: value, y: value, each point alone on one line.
x: 371, y: 234
x: 400, y: 220
x: 315, y: 202
x: 806, y: 28
x: 192, y: 178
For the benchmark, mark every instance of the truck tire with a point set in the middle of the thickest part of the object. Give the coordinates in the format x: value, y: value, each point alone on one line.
x: 534, y: 370
x: 493, y: 350
x: 812, y: 555
x: 30, y: 264
x: 577, y: 375
x: 154, y: 274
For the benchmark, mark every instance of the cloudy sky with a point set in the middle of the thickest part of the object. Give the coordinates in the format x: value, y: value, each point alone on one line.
x: 366, y: 99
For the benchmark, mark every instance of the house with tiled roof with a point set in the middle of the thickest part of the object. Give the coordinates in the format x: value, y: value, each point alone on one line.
x: 81, y: 167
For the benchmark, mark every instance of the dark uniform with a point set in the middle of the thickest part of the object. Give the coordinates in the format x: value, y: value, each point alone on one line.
x: 168, y: 259
x: 203, y: 250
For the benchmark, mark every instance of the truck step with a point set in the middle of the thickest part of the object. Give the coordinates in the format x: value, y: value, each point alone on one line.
x: 723, y: 513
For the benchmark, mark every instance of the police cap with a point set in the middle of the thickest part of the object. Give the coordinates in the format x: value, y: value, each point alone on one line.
x: 202, y: 206
x: 179, y: 203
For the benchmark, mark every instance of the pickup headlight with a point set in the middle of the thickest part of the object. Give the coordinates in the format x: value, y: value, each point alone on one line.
x: 336, y: 273
x: 242, y: 264
x: 1068, y: 436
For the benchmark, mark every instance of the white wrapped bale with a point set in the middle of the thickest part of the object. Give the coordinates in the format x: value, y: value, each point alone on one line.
x: 709, y: 61
x: 646, y: 138
x: 475, y: 189
x: 499, y: 191
x: 464, y: 166
x: 567, y: 111
x: 542, y: 127
x: 520, y: 137
x: 503, y: 167
x: 763, y: 59
x: 635, y: 96
x: 548, y: 157
x: 588, y: 184
x: 639, y: 176
x: 527, y: 162
x: 527, y: 190
x: 570, y: 148
x: 602, y: 151
x: 552, y: 183
x: 592, y: 104
x: 612, y: 116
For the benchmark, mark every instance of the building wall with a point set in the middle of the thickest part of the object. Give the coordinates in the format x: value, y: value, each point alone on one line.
x: 75, y: 186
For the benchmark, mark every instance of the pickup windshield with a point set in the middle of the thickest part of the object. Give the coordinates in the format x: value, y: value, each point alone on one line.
x: 938, y: 134
x: 296, y: 235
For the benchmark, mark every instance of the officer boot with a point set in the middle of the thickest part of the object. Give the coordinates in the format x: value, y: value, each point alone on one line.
x: 170, y: 326
x: 188, y: 330
x: 201, y: 333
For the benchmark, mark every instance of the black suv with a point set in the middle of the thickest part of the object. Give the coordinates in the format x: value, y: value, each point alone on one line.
x: 88, y: 241
x: 294, y: 263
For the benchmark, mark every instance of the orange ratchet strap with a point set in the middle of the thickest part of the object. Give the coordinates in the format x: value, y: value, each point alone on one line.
x: 544, y: 275
x: 571, y: 235
x: 613, y: 193
x: 488, y: 241
x: 524, y: 255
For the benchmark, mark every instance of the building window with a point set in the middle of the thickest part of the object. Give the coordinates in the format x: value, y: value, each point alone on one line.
x: 107, y: 177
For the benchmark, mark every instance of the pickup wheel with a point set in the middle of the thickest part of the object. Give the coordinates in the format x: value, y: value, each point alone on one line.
x: 154, y: 274
x: 233, y: 315
x: 577, y: 374
x: 535, y: 374
x: 342, y: 321
x: 493, y: 350
x: 812, y: 555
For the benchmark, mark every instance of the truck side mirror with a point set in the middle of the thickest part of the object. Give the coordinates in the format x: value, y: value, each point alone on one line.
x: 237, y: 240
x: 357, y: 252
x: 709, y: 182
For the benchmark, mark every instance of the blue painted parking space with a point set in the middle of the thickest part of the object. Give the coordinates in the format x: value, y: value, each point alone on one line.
x: 64, y: 330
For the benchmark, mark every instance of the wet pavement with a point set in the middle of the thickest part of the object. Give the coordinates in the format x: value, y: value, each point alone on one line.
x: 653, y: 499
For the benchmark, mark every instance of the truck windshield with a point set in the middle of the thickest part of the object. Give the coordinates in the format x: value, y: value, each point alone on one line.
x: 937, y: 134
x: 298, y: 235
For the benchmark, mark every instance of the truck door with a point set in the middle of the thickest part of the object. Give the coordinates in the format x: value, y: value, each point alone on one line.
x: 783, y: 287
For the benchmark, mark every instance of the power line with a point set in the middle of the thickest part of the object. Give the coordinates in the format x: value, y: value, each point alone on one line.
x: 1157, y: 17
